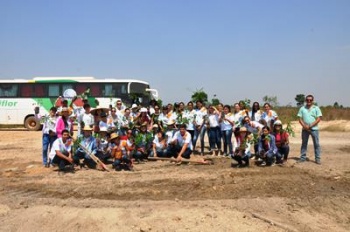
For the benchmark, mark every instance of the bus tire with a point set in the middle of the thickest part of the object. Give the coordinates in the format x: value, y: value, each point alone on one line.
x: 31, y: 123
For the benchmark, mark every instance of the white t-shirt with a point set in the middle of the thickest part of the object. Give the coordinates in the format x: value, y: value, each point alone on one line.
x: 271, y: 115
x: 190, y: 117
x: 257, y: 115
x: 200, y: 114
x: 225, y: 125
x: 58, y: 145
x: 169, y: 135
x: 181, y: 140
x: 213, y: 120
x: 157, y: 143
x: 88, y: 119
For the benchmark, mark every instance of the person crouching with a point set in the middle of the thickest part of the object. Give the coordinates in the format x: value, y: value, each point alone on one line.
x: 242, y: 151
x: 119, y: 153
x: 60, y: 153
x: 87, y: 143
x: 267, y: 148
x: 180, y: 145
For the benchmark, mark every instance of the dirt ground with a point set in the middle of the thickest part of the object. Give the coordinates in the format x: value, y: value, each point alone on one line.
x: 160, y: 196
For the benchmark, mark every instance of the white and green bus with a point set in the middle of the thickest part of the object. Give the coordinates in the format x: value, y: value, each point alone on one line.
x: 19, y: 97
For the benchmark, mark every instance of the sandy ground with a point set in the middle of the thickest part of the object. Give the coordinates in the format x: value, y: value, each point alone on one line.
x: 159, y: 196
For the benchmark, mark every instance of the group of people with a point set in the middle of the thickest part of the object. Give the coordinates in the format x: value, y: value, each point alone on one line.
x: 121, y: 135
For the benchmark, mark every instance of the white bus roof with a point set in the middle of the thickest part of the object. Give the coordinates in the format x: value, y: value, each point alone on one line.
x: 78, y: 79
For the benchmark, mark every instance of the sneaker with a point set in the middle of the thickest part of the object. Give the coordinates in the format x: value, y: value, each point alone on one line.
x: 300, y: 161
x: 318, y: 162
x: 263, y: 163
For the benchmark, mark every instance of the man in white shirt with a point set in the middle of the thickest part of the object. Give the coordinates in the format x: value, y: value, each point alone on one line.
x: 181, y: 144
x: 61, y: 151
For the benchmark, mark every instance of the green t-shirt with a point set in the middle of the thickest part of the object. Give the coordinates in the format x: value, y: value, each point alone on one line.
x: 310, y: 115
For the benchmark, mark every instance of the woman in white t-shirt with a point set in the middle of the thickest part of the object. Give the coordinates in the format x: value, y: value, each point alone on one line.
x: 269, y: 115
x: 159, y: 146
x: 227, y: 121
x: 214, y: 130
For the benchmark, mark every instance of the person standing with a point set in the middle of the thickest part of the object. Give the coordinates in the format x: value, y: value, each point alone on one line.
x: 309, y: 117
x: 49, y: 133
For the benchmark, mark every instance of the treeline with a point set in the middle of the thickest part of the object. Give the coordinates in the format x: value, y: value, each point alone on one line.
x: 287, y: 114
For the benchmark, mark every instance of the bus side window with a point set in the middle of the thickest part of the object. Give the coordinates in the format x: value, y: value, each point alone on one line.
x: 26, y: 90
x: 81, y: 88
x: 54, y: 90
x: 8, y: 90
x: 95, y: 91
x: 108, y: 90
x: 39, y: 91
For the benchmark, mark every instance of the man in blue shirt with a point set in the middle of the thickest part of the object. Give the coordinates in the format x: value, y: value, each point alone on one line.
x: 309, y: 117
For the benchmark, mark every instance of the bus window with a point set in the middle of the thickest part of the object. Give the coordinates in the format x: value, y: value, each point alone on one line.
x: 66, y: 86
x: 108, y: 91
x: 39, y: 90
x: 124, y: 89
x: 26, y: 90
x: 54, y: 90
x: 95, y: 90
x: 81, y: 88
x: 8, y: 90
x: 120, y: 89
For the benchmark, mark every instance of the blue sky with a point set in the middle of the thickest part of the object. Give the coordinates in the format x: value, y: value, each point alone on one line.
x: 234, y: 49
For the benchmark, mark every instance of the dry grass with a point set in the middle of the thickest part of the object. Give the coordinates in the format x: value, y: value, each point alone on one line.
x: 335, y: 128
x: 287, y: 114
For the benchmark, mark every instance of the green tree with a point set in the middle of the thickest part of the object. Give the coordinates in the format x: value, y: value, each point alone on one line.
x: 336, y: 105
x: 300, y: 98
x: 160, y: 102
x: 199, y: 95
x: 215, y: 101
x: 272, y: 100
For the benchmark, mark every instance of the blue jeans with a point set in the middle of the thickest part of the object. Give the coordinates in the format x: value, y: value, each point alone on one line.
x: 47, y: 143
x: 214, y: 137
x: 245, y: 157
x: 227, y: 137
x: 283, y: 151
x: 161, y: 152
x: 138, y: 155
x: 82, y: 155
x: 315, y: 139
x: 269, y: 157
x: 199, y: 133
x: 125, y: 159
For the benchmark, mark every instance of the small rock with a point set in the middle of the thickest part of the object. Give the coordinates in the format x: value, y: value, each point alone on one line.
x: 30, y: 166
x: 11, y: 169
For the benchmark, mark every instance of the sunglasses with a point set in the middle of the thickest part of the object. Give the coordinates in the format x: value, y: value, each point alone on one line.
x: 309, y: 100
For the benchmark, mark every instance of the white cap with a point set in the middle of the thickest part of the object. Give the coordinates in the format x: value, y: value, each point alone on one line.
x: 133, y: 106
x: 278, y: 122
x: 143, y: 110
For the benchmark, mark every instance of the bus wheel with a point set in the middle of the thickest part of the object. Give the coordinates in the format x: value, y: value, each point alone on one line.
x: 32, y: 124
